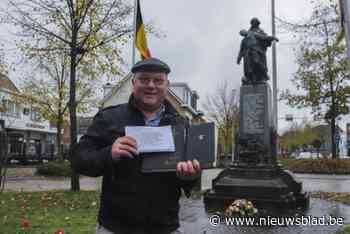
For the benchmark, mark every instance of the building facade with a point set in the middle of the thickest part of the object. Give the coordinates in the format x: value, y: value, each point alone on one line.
x: 28, y: 135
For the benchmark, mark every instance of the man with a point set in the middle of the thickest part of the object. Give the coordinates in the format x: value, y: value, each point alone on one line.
x: 133, y: 202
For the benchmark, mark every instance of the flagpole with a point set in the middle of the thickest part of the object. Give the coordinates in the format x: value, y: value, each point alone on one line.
x: 134, y: 32
x: 274, y: 66
x: 345, y: 8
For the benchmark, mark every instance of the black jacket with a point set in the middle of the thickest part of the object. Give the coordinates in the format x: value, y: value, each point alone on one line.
x: 129, y: 198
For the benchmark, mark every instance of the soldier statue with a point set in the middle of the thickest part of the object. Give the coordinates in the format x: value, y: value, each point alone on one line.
x: 253, y: 51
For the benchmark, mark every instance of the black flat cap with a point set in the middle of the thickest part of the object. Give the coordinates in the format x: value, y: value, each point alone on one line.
x: 150, y: 65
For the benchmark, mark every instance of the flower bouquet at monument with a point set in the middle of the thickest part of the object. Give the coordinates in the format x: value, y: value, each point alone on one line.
x: 241, y: 207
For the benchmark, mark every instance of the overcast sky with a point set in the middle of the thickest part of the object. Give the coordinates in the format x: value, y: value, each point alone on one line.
x: 202, y: 41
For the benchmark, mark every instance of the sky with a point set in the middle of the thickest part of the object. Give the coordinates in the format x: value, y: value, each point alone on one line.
x: 201, y: 42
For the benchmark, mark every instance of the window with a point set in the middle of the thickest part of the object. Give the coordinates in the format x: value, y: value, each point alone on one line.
x: 35, y: 114
x: 11, y: 108
x: 26, y: 111
x: 194, y: 98
x: 186, y: 96
x: 16, y: 144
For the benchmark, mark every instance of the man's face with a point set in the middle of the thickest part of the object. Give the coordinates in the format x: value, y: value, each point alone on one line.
x: 255, y: 23
x: 150, y: 89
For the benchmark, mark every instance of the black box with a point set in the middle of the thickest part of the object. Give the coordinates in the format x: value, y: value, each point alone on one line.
x: 193, y: 142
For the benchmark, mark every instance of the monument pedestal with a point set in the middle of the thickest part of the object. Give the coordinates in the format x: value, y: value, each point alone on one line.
x: 255, y: 174
x: 264, y: 186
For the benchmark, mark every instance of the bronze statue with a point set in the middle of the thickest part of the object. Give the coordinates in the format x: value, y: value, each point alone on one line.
x: 253, y: 51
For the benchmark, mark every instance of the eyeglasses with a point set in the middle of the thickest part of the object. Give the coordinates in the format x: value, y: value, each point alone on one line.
x: 147, y: 80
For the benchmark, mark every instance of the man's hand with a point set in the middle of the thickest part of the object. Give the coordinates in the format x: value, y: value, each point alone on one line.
x: 188, y: 170
x: 124, y: 147
x: 272, y: 38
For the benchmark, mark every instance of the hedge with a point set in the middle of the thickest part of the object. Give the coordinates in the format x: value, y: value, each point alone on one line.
x: 55, y: 168
x: 317, y: 166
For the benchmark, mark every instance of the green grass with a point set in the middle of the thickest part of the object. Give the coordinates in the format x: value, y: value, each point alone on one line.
x: 332, y: 196
x: 345, y: 230
x: 47, y: 212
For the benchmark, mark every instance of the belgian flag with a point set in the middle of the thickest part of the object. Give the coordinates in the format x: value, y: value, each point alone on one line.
x: 141, y: 40
x: 341, y: 11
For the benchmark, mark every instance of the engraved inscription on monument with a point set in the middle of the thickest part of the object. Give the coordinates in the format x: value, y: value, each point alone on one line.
x: 253, y: 121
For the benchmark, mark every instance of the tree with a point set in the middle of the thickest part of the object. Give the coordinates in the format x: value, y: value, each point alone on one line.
x: 3, y: 71
x: 3, y: 65
x: 3, y: 159
x: 222, y: 108
x: 323, y: 72
x: 87, y: 31
x: 3, y: 156
x: 48, y: 93
x: 298, y: 136
x: 8, y: 120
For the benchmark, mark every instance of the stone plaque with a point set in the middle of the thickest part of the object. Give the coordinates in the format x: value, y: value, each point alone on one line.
x: 253, y: 109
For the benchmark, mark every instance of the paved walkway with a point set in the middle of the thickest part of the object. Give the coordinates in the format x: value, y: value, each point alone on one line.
x: 86, y: 183
x: 311, y: 182
x: 325, y: 183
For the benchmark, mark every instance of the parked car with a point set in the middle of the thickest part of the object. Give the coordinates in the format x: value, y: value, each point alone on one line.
x: 308, y: 155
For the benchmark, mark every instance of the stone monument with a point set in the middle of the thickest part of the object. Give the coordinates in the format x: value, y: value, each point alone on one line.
x: 255, y: 173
